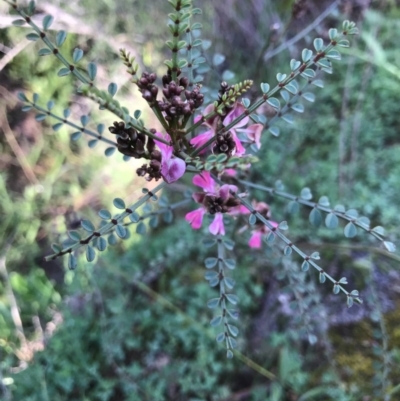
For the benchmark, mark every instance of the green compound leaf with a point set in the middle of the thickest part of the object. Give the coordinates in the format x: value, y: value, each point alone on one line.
x: 350, y: 230
x: 315, y: 217
x: 90, y: 253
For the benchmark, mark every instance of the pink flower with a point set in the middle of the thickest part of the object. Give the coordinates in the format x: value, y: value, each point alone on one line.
x: 237, y: 110
x: 211, y: 123
x: 253, y: 133
x: 172, y: 168
x: 213, y: 200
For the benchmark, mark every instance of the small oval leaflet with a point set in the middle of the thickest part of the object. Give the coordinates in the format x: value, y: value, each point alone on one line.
x: 229, y: 282
x: 104, y: 214
x: 141, y: 228
x: 77, y: 55
x: 306, y: 55
x: 331, y: 220
x: 74, y: 235
x: 44, y: 52
x: 47, y: 21
x: 87, y: 225
x: 90, y: 253
x: 210, y: 262
x: 71, y: 262
x: 305, y: 266
x: 322, y: 278
x: 230, y: 263
x: 293, y: 207
x: 318, y: 44
x: 287, y: 251
x: 233, y: 330
x: 120, y: 230
x: 101, y: 244
x: 232, y: 298
x: 32, y: 36
x: 213, y: 303
x: 216, y: 321
x: 264, y: 87
x: 315, y: 217
x: 60, y: 38
x: 110, y: 151
x: 350, y: 230
x: 76, y: 135
x: 92, y: 70
x: 112, y: 88
x: 63, y: 72
x: 252, y: 219
x: 306, y: 194
x: 119, y: 203
x: 218, y: 59
x: 220, y: 337
x: 389, y: 246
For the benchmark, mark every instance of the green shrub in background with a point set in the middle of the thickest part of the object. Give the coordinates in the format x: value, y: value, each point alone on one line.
x: 283, y: 348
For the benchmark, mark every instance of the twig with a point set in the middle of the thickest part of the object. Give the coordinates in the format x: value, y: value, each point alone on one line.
x: 303, y: 33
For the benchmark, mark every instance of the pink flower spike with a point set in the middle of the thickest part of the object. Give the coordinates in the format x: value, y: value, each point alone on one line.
x: 235, y: 113
x: 255, y: 240
x: 217, y: 226
x: 172, y: 169
x: 205, y: 182
x: 195, y: 218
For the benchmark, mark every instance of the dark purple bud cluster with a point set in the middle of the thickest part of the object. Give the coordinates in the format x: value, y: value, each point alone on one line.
x: 217, y: 204
x: 147, y: 88
x: 153, y: 169
x: 172, y: 104
x: 224, y: 144
x: 130, y: 142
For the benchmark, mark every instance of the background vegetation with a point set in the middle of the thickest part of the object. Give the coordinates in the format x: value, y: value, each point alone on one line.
x: 134, y: 325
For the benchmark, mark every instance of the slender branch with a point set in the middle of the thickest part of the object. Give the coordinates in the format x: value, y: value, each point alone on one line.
x: 107, y: 227
x: 303, y: 33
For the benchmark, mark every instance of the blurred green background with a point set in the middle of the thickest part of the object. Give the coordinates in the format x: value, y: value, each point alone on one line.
x: 134, y: 325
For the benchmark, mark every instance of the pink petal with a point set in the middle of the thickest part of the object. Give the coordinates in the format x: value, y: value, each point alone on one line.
x: 172, y: 169
x: 166, y: 151
x: 226, y: 189
x: 255, y: 240
x: 199, y: 197
x: 217, y: 226
x: 240, y: 150
x: 195, y: 218
x: 201, y: 139
x: 254, y: 133
x: 234, y: 113
x: 205, y: 181
x: 230, y: 172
